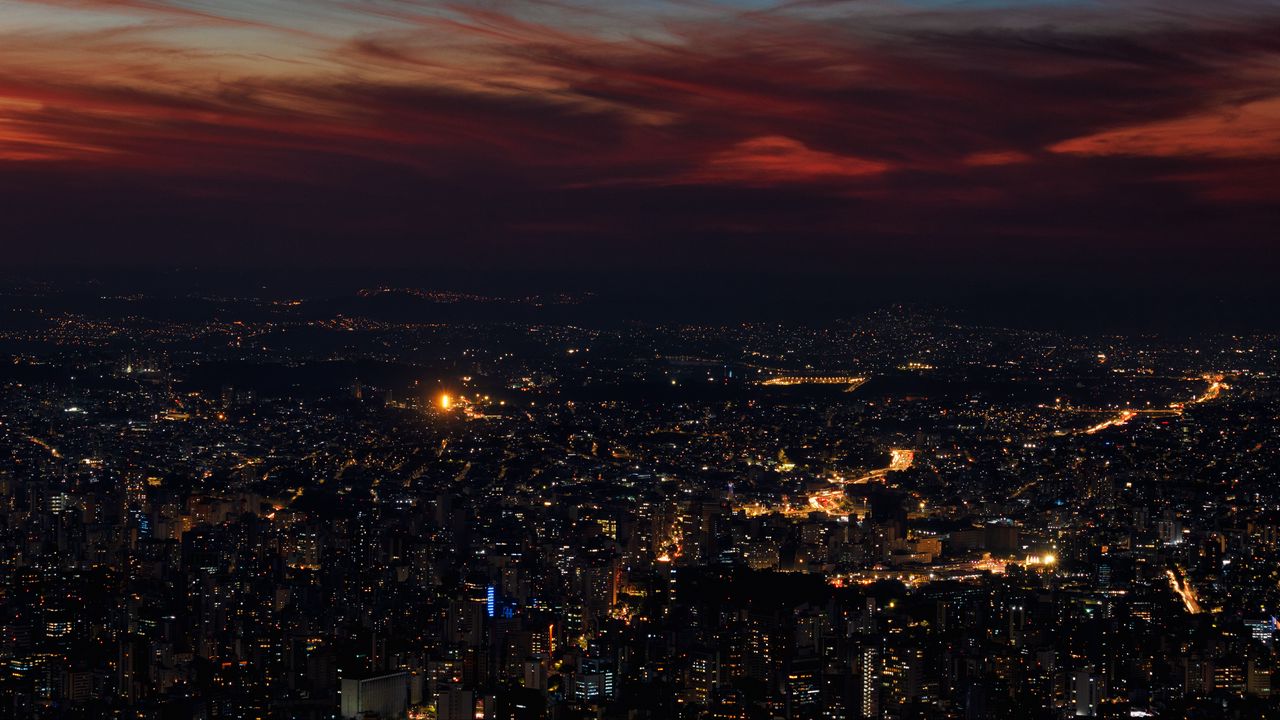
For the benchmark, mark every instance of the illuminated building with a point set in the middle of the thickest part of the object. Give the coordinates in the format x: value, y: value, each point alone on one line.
x: 386, y: 695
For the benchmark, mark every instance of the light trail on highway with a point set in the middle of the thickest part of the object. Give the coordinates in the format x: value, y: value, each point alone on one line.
x: 833, y: 501
x: 1212, y: 392
x: 53, y: 452
x: 1184, y: 591
x: 1124, y: 417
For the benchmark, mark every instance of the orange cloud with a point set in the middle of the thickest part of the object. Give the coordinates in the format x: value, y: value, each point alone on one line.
x: 17, y: 144
x: 1248, y: 131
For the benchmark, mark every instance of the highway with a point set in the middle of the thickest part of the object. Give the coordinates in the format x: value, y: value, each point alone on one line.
x: 1183, y: 589
x: 833, y: 500
x: 1122, y: 417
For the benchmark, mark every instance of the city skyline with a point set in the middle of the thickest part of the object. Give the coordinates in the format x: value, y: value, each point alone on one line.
x: 261, y: 506
x: 652, y: 360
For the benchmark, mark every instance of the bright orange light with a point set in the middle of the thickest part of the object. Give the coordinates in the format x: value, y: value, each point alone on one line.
x: 445, y: 401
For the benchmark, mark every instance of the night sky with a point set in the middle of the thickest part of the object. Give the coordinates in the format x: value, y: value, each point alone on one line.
x: 1099, y: 142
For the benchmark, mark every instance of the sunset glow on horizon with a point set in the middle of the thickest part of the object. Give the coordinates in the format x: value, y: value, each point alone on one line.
x: 408, y: 121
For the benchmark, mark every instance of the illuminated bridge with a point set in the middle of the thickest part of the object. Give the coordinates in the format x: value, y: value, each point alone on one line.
x: 852, y: 381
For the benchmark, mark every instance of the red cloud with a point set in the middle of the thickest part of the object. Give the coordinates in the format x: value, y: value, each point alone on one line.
x: 737, y: 122
x: 996, y: 157
x: 773, y: 160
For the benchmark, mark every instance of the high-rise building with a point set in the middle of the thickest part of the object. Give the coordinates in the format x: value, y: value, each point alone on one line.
x: 386, y: 695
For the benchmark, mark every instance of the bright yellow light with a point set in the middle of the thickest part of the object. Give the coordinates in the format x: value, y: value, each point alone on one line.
x: 445, y: 401
x: 1049, y: 559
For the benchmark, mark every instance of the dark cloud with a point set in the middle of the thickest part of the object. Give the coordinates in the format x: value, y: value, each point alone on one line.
x: 471, y: 136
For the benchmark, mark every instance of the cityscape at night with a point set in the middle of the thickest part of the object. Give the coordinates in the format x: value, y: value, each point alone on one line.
x: 639, y: 360
x: 278, y: 511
